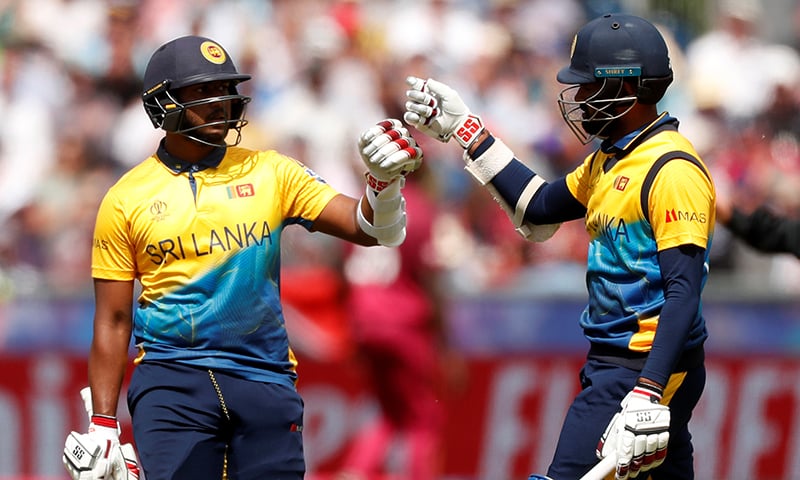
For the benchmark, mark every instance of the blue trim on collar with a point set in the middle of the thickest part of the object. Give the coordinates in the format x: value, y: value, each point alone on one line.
x: 177, y: 165
x: 625, y: 142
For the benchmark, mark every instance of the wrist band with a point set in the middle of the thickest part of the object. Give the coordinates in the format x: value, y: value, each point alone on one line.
x: 482, y: 147
x: 104, y: 421
x: 648, y: 390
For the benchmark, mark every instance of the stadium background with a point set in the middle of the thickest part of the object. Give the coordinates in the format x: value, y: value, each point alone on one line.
x: 324, y: 70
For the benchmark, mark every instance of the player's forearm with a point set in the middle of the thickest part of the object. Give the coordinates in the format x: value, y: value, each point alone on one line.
x: 547, y: 203
x: 108, y: 359
x: 106, y: 372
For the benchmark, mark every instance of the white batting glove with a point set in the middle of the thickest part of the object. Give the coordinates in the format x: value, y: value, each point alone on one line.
x: 639, y: 433
x: 131, y: 462
x: 97, y: 454
x: 438, y: 111
x: 389, y: 152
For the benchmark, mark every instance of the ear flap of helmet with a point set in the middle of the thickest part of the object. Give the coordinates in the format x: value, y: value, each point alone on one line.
x: 237, y: 106
x: 164, y: 111
x: 173, y: 114
x: 651, y: 90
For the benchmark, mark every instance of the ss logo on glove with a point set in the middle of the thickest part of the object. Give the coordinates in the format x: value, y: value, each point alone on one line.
x: 78, y: 452
x: 471, y: 127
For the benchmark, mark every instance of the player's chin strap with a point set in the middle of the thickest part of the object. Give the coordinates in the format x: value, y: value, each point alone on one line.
x: 389, y: 219
x: 486, y: 167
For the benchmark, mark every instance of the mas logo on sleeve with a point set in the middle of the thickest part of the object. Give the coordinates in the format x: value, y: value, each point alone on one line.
x: 673, y: 215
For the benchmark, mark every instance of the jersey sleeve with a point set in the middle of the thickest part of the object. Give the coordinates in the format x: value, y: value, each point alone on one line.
x: 305, y: 194
x: 578, y: 181
x: 682, y: 206
x: 112, y: 253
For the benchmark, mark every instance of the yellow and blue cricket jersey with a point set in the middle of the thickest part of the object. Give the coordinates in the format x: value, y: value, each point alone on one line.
x: 646, y: 193
x: 204, y: 241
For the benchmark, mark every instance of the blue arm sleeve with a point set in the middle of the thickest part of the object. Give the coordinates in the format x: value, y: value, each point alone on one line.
x: 553, y: 203
x: 682, y: 270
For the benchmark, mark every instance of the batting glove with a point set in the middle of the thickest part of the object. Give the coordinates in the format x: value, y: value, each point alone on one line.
x: 438, y: 111
x: 638, y: 434
x: 389, y: 152
x: 97, y: 454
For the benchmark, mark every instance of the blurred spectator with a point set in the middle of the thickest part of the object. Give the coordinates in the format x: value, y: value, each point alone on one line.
x: 319, y: 106
x: 82, y: 45
x: 31, y: 81
x: 447, y: 31
x: 70, y: 75
x: 733, y: 69
x: 323, y: 65
x: 395, y: 309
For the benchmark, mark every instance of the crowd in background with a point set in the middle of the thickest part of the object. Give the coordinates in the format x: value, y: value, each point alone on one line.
x: 324, y: 70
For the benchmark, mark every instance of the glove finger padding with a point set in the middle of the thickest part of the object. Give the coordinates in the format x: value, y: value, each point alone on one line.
x: 389, y: 151
x: 637, y: 460
x: 97, y: 454
x: 86, y: 459
x: 131, y: 462
x: 399, y: 158
x: 624, y: 449
x: 608, y: 442
x: 438, y: 111
x: 661, y: 448
x: 638, y: 434
x: 368, y: 135
x: 643, y: 423
x: 420, y: 108
x: 394, y: 151
x: 376, y: 137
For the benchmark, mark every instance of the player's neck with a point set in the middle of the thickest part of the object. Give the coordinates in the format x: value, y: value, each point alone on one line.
x: 639, y: 116
x: 186, y: 149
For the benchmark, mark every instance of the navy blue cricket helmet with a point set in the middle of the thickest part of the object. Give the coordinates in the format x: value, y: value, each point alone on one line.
x: 185, y: 61
x: 611, y: 49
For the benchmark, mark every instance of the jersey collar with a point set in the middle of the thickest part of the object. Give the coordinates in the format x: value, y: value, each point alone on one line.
x: 178, y: 166
x: 624, y: 145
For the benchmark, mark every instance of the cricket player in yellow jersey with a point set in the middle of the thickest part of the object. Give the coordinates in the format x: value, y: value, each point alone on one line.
x: 648, y: 204
x: 199, y: 224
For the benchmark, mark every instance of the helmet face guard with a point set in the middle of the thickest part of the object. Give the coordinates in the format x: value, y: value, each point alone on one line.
x: 589, y: 119
x: 168, y: 113
x: 611, y: 51
x: 186, y: 61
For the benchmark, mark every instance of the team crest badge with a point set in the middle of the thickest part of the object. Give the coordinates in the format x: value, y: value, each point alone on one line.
x: 212, y: 52
x: 621, y: 182
x: 240, y: 191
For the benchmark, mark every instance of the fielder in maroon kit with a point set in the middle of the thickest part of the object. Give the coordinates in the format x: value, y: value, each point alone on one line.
x: 397, y: 330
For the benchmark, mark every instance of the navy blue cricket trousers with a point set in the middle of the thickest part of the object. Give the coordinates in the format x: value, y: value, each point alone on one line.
x: 604, y: 385
x: 181, y: 429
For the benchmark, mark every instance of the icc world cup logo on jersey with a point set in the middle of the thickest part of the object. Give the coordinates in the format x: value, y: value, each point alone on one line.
x: 159, y: 210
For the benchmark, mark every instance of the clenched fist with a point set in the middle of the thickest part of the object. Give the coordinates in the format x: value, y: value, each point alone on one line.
x: 438, y: 111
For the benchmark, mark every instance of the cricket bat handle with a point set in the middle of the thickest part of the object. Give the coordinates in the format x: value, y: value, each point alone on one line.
x: 603, y: 468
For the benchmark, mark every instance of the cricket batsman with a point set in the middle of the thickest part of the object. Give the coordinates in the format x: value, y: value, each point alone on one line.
x: 648, y: 204
x: 198, y: 225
